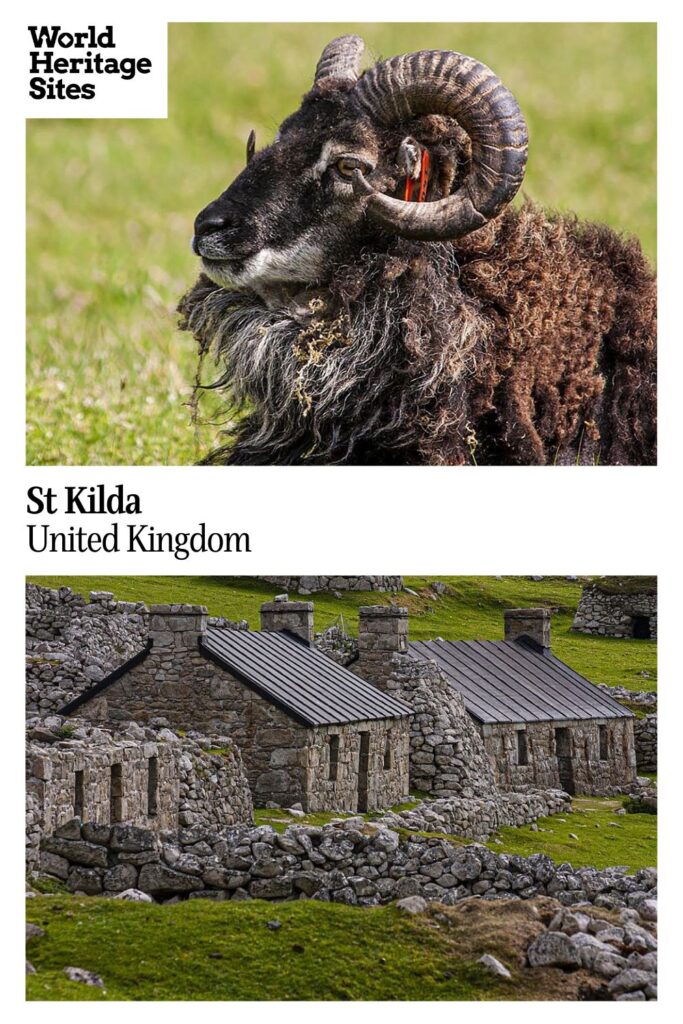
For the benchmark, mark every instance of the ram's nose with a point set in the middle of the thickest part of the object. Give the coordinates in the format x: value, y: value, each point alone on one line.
x: 212, y: 219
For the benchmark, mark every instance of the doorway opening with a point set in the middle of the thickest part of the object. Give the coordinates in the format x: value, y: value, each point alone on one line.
x: 640, y: 627
x: 563, y: 750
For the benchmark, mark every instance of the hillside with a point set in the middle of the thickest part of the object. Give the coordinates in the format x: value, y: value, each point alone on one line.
x: 200, y: 950
x: 471, y: 609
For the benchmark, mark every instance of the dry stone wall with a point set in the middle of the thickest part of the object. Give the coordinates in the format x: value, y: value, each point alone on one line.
x: 71, y: 643
x: 352, y: 862
x: 645, y: 730
x: 447, y: 756
x: 314, y: 584
x: 606, y: 614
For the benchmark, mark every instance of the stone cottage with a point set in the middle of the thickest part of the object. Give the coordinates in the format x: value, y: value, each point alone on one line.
x: 618, y: 606
x: 309, y: 730
x: 542, y: 724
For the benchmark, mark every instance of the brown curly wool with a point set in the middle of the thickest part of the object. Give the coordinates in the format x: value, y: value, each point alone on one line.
x: 529, y: 342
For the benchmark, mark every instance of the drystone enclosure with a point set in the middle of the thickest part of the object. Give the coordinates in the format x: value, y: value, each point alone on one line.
x: 608, y: 611
x: 316, y: 584
x: 157, y: 731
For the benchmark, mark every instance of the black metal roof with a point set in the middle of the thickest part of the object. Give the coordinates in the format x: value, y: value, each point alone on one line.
x: 299, y: 678
x: 515, y: 681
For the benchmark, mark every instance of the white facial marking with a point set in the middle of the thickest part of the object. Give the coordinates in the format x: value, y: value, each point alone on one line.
x: 301, y: 261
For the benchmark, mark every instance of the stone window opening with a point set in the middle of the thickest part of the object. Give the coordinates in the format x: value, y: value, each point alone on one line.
x: 152, y: 786
x: 388, y: 759
x: 522, y: 748
x: 333, y: 742
x: 640, y: 627
x: 604, y: 742
x: 79, y: 799
x: 116, y: 794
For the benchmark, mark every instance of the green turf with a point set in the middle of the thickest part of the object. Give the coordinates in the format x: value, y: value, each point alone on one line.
x: 605, y: 838
x: 198, y: 950
x: 111, y: 204
x: 471, y: 610
x: 630, y: 839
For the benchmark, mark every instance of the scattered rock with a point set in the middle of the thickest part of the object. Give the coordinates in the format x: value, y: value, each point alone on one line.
x: 85, y: 977
x: 494, y: 966
x: 553, y: 949
x: 412, y: 904
x: 134, y: 896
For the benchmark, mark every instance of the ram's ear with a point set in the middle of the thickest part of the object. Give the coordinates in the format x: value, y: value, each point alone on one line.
x: 251, y: 145
x: 409, y: 157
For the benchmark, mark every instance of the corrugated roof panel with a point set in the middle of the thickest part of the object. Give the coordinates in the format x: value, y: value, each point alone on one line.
x: 513, y: 681
x: 300, y: 678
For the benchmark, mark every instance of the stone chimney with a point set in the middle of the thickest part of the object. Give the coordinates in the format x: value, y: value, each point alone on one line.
x: 295, y: 616
x: 531, y: 622
x: 382, y: 633
x: 176, y: 627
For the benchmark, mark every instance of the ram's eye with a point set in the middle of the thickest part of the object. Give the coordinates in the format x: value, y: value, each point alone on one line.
x: 346, y: 165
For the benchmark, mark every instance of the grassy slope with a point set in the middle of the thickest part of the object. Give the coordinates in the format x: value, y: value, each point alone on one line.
x: 199, y: 950
x: 471, y: 610
x: 605, y: 838
x: 111, y: 204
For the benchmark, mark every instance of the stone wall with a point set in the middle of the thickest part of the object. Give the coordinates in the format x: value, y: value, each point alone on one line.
x: 590, y: 774
x: 313, y: 584
x: 71, y: 643
x: 447, y: 756
x: 337, y: 644
x: 284, y: 760
x: 353, y: 862
x: 163, y: 781
x: 645, y: 730
x: 607, y: 614
x: 480, y: 817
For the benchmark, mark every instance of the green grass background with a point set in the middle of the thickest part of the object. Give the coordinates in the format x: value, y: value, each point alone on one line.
x: 472, y: 609
x: 111, y: 204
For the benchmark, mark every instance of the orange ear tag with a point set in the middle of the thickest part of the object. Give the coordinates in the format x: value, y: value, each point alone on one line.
x: 423, y: 181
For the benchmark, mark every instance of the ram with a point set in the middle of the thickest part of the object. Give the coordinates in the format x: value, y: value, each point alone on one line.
x: 371, y: 297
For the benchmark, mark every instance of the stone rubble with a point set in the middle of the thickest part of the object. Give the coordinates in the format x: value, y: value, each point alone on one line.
x: 624, y: 955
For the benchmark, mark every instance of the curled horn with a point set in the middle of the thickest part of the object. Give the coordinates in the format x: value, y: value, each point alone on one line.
x: 251, y: 145
x: 340, y: 59
x: 451, y: 84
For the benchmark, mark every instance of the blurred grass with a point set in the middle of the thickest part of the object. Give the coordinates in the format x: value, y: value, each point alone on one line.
x: 111, y: 204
